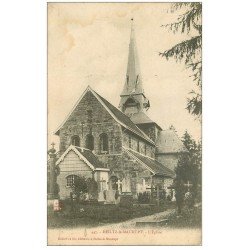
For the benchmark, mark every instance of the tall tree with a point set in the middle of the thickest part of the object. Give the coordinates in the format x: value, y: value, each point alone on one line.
x: 189, y: 50
x: 189, y: 165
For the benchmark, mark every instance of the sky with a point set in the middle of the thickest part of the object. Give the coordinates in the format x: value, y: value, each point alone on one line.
x: 88, y: 45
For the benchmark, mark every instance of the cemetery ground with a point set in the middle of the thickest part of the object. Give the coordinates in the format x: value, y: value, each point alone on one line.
x: 189, y: 218
x: 97, y: 215
x: 94, y: 215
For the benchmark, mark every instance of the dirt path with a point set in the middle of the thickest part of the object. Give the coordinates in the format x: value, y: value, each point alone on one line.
x: 131, y: 223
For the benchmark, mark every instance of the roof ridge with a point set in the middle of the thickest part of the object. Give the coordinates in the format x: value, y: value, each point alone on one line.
x: 82, y: 157
x: 151, y: 165
x: 139, y: 153
x: 144, y: 155
x: 139, y: 118
x: 82, y: 148
x: 145, y: 136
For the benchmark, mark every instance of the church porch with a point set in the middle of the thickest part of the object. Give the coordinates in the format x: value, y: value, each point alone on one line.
x: 81, y: 164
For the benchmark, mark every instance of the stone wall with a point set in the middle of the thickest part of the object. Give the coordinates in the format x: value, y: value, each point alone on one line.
x: 128, y: 171
x: 90, y: 117
x: 137, y: 173
x: 138, y: 145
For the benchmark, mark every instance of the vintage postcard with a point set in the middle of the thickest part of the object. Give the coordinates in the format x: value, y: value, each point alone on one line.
x: 124, y: 123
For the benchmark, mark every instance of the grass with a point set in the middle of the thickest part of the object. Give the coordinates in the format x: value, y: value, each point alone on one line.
x: 98, y: 214
x: 187, y: 219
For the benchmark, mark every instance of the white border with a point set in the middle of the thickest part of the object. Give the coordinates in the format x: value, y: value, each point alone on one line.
x: 226, y: 125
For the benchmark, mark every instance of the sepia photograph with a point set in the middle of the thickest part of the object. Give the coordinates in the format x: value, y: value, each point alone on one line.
x: 124, y: 162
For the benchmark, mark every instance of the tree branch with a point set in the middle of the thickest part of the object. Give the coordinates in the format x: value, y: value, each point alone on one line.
x: 185, y: 21
x: 184, y: 50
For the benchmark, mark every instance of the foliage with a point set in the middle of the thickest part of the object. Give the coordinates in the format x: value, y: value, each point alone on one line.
x: 92, y: 188
x: 189, y: 165
x: 56, y: 189
x: 144, y: 198
x: 98, y: 214
x: 89, y: 186
x: 189, y: 219
x: 80, y: 185
x: 189, y: 50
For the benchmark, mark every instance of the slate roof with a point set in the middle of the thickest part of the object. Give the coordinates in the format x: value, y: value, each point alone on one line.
x: 168, y: 142
x: 140, y: 118
x: 124, y: 119
x: 84, y: 154
x: 91, y: 157
x: 153, y: 165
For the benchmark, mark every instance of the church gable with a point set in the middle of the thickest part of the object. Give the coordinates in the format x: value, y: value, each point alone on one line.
x: 72, y: 162
x: 87, y: 110
x: 88, y: 123
x: 93, y: 108
x: 79, y: 159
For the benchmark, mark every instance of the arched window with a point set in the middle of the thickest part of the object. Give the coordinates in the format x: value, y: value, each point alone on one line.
x: 104, y: 143
x: 71, y: 179
x: 75, y: 140
x: 90, y: 142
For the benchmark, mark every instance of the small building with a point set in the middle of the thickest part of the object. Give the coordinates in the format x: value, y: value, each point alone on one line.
x: 78, y: 162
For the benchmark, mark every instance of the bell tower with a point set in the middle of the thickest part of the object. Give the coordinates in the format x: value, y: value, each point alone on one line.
x: 133, y: 99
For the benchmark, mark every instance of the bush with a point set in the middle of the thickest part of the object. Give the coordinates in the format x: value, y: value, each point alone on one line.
x: 144, y: 198
x: 188, y: 219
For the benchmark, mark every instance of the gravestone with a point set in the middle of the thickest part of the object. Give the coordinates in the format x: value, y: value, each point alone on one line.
x: 102, y: 188
x: 126, y: 199
x: 111, y: 196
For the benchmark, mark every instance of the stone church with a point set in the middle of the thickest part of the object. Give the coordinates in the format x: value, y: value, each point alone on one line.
x: 121, y: 148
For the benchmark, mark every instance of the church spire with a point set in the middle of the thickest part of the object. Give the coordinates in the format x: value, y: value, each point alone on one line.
x: 133, y: 82
x: 133, y: 90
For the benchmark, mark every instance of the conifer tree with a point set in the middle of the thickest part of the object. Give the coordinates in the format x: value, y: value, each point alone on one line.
x: 189, y: 50
x: 189, y: 164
